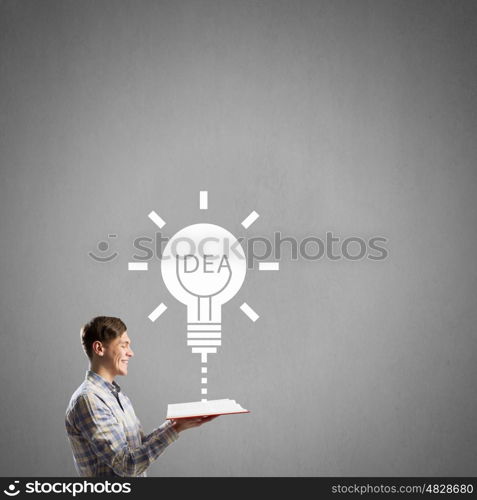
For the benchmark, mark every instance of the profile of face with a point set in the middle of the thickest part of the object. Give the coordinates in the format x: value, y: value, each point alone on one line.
x: 116, y: 354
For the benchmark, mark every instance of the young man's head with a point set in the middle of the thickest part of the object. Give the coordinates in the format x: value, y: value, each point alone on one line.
x: 106, y: 343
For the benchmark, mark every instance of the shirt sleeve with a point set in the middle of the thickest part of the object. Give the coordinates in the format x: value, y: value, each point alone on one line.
x: 105, y: 434
x: 147, y: 437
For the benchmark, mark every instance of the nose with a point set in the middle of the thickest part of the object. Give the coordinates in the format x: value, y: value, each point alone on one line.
x: 130, y: 353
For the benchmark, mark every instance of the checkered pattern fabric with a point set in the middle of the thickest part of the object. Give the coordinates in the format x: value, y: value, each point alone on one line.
x: 106, y: 437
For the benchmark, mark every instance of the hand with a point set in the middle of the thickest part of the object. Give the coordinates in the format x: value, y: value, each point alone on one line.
x: 182, y: 424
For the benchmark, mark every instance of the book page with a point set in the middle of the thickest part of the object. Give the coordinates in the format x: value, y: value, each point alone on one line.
x: 203, y: 408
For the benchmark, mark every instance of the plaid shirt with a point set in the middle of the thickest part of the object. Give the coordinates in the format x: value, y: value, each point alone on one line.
x: 106, y: 436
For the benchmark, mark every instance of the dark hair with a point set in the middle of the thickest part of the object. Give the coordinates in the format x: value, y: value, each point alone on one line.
x: 102, y: 328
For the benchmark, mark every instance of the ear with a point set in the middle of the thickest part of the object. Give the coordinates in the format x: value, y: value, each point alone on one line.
x: 98, y: 348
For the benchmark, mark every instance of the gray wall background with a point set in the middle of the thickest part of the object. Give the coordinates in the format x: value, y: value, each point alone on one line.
x: 354, y: 117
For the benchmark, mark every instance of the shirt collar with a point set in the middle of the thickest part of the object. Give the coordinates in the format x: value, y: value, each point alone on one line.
x: 101, y: 382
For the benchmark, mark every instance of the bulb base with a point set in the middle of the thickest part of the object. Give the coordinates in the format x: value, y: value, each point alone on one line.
x: 204, y: 351
x: 204, y: 335
x: 204, y: 338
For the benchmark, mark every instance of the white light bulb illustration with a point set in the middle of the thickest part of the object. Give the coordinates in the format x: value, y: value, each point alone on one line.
x: 203, y: 266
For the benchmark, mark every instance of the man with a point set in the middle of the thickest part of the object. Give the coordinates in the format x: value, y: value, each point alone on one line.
x: 106, y: 436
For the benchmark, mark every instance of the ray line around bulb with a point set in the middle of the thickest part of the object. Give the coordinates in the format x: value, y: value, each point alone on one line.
x: 248, y: 311
x: 203, y: 200
x: 250, y: 219
x: 268, y: 266
x: 137, y: 266
x: 160, y: 223
x: 157, y: 312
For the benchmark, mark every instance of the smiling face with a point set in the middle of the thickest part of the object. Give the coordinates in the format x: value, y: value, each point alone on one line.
x: 116, y: 355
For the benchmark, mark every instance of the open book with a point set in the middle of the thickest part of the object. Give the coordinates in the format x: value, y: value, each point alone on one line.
x: 204, y: 408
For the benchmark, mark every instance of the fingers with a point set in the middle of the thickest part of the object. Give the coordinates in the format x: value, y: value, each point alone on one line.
x: 208, y: 419
x: 191, y: 422
x: 195, y: 420
x: 198, y: 421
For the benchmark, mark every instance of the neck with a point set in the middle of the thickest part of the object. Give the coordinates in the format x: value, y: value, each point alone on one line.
x: 102, y: 371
